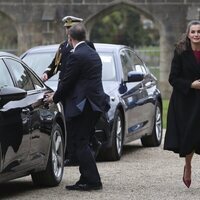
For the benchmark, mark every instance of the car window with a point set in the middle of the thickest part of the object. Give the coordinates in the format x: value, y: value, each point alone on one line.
x: 108, y: 67
x: 35, y: 81
x: 139, y: 65
x: 131, y: 59
x: 21, y: 74
x: 5, y: 79
x: 39, y: 62
x: 127, y: 63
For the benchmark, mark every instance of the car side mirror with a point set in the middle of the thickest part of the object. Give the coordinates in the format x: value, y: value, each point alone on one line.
x: 134, y: 76
x: 122, y: 87
x: 8, y: 94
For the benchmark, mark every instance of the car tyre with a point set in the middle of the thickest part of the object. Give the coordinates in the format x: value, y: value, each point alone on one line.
x: 115, y: 151
x: 53, y: 173
x: 155, y: 138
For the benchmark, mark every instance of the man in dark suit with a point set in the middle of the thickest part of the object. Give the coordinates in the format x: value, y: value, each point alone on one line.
x: 58, y: 65
x: 82, y: 91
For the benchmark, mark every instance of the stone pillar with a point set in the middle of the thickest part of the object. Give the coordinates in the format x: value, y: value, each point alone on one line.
x: 29, y: 35
x: 166, y: 53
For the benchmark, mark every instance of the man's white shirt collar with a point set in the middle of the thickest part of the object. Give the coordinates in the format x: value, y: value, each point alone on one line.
x: 78, y: 44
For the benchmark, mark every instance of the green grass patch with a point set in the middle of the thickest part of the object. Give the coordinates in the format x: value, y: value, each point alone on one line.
x: 165, y: 109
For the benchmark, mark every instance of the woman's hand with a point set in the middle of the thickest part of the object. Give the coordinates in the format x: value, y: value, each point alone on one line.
x: 196, y: 84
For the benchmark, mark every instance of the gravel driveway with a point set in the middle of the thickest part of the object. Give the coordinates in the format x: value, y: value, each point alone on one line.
x: 141, y: 174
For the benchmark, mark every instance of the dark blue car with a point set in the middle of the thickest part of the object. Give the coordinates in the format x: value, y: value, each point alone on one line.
x: 136, y: 103
x: 32, y: 134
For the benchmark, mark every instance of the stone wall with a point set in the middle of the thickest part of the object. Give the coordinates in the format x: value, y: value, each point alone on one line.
x: 39, y: 21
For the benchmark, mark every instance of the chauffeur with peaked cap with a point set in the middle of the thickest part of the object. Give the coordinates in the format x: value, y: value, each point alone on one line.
x: 62, y: 52
x: 70, y: 21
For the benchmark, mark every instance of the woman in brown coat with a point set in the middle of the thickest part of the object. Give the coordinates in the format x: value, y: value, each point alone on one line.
x: 183, y: 121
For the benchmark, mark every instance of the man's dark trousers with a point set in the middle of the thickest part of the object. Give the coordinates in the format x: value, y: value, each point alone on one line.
x: 82, y: 129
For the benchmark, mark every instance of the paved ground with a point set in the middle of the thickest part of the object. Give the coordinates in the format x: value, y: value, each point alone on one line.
x: 141, y: 174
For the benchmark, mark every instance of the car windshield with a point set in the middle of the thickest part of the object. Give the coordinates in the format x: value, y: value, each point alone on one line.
x: 40, y: 61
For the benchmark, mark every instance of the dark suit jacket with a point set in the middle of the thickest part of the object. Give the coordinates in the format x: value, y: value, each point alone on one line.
x: 81, y: 82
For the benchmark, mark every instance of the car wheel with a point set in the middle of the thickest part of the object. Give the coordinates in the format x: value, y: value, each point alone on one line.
x: 55, y: 166
x: 155, y: 138
x: 114, y: 153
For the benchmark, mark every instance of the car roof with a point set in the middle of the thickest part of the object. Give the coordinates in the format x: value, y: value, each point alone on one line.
x: 108, y: 47
x: 6, y: 54
x: 54, y: 47
x: 44, y: 48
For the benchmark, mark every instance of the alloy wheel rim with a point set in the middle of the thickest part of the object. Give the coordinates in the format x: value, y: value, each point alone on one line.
x: 158, y: 124
x: 57, y: 154
x: 119, y: 135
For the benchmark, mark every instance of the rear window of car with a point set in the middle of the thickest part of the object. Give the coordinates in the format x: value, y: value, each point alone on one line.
x: 5, y: 79
x: 40, y: 61
x: 21, y: 75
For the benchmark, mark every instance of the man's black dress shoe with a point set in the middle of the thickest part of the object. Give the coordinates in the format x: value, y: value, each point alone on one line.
x: 85, y: 187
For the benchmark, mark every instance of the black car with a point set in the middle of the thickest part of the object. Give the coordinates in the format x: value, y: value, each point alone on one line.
x: 32, y: 134
x: 136, y: 103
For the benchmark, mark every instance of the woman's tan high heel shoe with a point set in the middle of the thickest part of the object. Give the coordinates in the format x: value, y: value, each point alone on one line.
x: 186, y: 182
